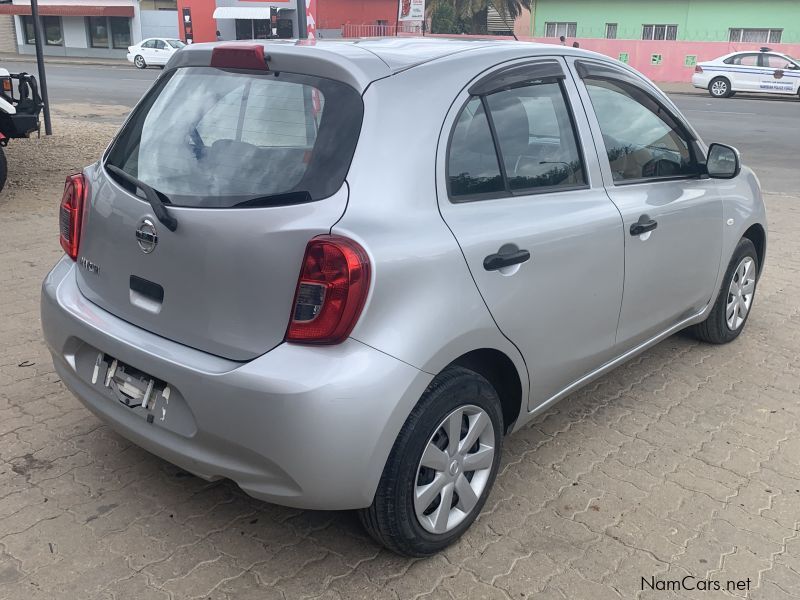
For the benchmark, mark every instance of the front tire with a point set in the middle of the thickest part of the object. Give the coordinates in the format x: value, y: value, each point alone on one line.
x: 735, y: 299
x: 3, y: 169
x: 139, y: 62
x: 720, y: 87
x: 441, y: 468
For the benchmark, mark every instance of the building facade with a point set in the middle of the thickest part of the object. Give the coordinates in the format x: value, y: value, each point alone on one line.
x: 91, y: 28
x: 767, y: 22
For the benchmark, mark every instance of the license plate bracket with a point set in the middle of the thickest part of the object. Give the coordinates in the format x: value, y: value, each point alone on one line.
x: 130, y: 386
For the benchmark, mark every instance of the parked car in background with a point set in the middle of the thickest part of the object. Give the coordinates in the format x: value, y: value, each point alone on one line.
x: 765, y: 72
x: 153, y: 51
x: 19, y: 112
x: 340, y: 274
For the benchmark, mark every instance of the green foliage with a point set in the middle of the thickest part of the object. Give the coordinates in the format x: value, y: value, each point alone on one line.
x: 469, y: 16
x: 444, y: 20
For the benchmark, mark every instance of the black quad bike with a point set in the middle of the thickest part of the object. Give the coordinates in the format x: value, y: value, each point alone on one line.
x: 19, y: 113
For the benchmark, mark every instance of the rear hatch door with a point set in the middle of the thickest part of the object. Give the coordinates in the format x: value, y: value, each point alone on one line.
x: 252, y: 167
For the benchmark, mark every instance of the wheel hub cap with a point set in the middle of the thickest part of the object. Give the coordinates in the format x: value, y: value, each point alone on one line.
x: 740, y: 293
x: 454, y: 469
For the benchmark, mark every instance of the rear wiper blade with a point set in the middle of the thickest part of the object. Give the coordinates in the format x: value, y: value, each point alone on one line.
x: 276, y: 199
x: 150, y: 194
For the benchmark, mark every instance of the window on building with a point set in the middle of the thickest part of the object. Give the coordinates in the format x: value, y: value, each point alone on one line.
x: 553, y: 29
x: 759, y: 36
x: 253, y: 29
x: 98, y: 32
x: 109, y: 32
x: 51, y: 27
x: 611, y: 31
x: 120, y: 32
x: 659, y: 32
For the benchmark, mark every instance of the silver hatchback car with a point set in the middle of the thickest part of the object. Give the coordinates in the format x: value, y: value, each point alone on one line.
x: 340, y: 273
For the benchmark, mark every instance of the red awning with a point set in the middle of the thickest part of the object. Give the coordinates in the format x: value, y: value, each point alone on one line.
x: 68, y: 10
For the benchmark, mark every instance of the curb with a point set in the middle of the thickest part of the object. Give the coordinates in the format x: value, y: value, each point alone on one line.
x: 64, y: 60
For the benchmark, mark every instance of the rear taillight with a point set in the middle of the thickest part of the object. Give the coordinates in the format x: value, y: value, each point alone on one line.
x: 71, y: 214
x: 698, y: 69
x: 331, y: 290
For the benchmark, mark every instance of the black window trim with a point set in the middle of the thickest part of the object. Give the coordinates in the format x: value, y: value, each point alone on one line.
x: 596, y: 70
x: 508, y: 192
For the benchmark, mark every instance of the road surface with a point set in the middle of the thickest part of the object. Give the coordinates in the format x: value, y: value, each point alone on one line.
x: 763, y: 128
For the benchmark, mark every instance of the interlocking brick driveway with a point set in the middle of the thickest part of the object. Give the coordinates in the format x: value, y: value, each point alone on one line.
x: 685, y: 461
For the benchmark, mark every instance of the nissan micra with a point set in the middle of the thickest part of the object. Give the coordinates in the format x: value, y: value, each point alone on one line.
x: 340, y: 273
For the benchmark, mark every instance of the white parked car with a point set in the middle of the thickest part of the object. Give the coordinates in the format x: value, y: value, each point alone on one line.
x: 765, y: 71
x: 153, y: 51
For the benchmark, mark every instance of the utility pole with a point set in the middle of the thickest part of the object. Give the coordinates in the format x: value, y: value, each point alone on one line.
x: 302, y: 23
x: 37, y: 39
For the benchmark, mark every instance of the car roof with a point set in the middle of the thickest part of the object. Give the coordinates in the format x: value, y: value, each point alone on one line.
x: 361, y: 61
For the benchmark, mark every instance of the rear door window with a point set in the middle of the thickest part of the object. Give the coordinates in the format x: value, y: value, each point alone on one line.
x: 206, y: 137
x: 518, y: 140
x: 536, y: 137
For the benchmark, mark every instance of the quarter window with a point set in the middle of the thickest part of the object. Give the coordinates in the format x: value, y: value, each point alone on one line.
x: 642, y: 140
x: 472, y: 164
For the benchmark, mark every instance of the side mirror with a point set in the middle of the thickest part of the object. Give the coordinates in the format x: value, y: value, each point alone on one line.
x: 723, y: 162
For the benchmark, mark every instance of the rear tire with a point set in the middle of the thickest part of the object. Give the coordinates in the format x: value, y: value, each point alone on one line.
x: 720, y: 87
x: 3, y: 169
x: 724, y: 325
x: 403, y: 517
x: 139, y: 62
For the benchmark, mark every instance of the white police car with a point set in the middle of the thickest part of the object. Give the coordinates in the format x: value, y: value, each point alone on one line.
x: 763, y: 71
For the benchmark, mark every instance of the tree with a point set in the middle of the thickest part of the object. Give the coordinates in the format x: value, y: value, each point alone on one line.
x: 470, y: 15
x: 444, y: 19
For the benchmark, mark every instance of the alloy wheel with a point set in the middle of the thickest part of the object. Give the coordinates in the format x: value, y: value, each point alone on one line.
x: 454, y: 469
x: 139, y: 62
x: 719, y: 88
x: 740, y: 293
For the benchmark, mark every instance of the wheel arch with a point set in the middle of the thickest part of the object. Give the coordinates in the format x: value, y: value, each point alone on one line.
x: 499, y: 370
x: 756, y: 234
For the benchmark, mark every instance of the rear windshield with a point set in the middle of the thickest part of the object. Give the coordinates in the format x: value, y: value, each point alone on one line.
x: 206, y: 137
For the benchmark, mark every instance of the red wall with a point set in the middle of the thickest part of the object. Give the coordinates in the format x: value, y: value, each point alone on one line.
x: 332, y: 14
x: 204, y: 25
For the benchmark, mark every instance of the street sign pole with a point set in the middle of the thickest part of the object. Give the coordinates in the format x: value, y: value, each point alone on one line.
x: 302, y: 23
x: 37, y: 38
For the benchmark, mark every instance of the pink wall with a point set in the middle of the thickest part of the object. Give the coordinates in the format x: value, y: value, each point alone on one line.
x: 673, y: 53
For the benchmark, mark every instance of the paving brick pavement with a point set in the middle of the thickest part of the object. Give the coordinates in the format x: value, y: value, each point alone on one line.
x: 685, y: 461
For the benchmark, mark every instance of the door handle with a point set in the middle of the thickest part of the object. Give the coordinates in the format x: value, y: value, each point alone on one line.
x: 643, y: 225
x: 494, y: 262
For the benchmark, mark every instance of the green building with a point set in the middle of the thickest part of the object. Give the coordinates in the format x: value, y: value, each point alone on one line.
x: 767, y: 21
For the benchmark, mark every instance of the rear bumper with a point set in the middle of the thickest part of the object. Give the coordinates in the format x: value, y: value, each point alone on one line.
x: 302, y: 426
x: 701, y: 80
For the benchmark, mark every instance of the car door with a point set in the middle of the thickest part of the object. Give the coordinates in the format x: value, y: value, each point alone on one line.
x: 745, y: 72
x: 672, y: 215
x: 522, y: 193
x: 160, y: 52
x: 147, y: 50
x: 782, y: 75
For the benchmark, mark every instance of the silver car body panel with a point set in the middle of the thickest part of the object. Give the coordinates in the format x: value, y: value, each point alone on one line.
x: 312, y: 426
